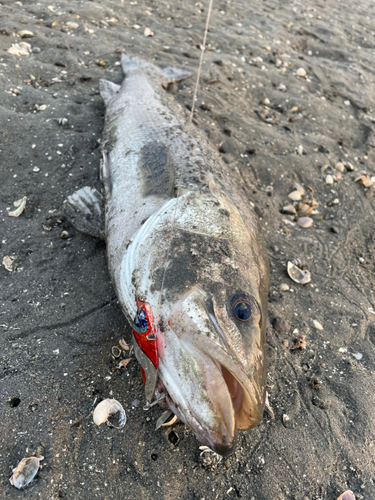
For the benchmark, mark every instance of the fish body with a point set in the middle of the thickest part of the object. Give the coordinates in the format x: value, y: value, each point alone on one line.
x: 187, y: 259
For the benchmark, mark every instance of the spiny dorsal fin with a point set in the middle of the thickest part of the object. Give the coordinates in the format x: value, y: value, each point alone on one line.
x: 108, y: 90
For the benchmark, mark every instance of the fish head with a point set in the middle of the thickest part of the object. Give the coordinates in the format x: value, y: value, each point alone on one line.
x: 214, y: 309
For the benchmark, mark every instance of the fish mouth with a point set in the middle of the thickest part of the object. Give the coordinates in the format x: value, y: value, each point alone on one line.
x: 226, y: 406
x: 246, y: 411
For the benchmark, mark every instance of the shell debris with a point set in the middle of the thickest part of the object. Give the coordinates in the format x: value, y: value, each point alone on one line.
x: 25, y: 472
x: 105, y: 409
x: 20, y: 204
x: 9, y: 263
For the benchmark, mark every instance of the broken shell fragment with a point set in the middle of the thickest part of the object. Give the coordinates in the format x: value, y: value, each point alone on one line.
x: 347, y: 495
x: 305, y: 222
x: 107, y: 408
x: 9, y: 263
x: 21, y: 204
x: 123, y: 363
x: 365, y: 179
x: 163, y: 420
x: 20, y: 49
x: 298, y: 275
x: 124, y: 345
x: 25, y: 472
x: 304, y: 209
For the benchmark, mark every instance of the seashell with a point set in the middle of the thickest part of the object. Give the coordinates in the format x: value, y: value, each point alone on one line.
x: 340, y: 167
x: 25, y: 472
x: 72, y: 25
x: 295, y: 195
x: 305, y: 222
x: 9, y: 263
x: 347, y: 495
x: 148, y: 32
x: 289, y: 209
x: 317, y: 325
x: 107, y: 408
x: 162, y: 421
x: 123, y: 363
x: 299, y: 188
x: 301, y: 72
x: 25, y: 34
x: 20, y: 49
x: 330, y: 179
x: 366, y: 181
x: 298, y: 275
x: 21, y: 204
x: 304, y: 209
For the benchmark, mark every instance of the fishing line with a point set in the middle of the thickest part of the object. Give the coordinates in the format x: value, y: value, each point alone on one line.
x: 203, y: 48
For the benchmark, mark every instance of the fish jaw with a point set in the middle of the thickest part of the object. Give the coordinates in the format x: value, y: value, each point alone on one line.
x: 241, y: 371
x: 197, y: 393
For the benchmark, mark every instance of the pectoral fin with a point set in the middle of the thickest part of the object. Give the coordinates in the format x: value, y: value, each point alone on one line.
x: 83, y: 209
x: 108, y: 90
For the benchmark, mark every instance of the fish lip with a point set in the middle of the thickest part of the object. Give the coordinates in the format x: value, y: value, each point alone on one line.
x: 223, y: 444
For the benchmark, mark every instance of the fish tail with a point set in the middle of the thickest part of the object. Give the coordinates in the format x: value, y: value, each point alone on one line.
x: 165, y: 76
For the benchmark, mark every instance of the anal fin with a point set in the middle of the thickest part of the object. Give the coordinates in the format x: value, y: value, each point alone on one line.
x: 83, y: 209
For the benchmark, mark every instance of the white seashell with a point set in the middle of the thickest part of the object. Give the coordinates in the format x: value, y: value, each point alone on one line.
x: 107, y: 408
x: 317, y: 325
x: 148, y: 32
x: 301, y: 72
x: 297, y: 274
x: 21, y: 204
x: 295, y: 195
x: 25, y: 472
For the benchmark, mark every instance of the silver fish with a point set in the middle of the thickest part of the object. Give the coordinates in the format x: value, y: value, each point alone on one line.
x: 186, y: 257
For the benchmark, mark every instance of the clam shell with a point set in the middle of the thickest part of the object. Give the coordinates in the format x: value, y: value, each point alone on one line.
x: 25, y: 472
x: 347, y: 495
x: 298, y: 275
x: 295, y: 195
x: 107, y: 408
x: 305, y: 222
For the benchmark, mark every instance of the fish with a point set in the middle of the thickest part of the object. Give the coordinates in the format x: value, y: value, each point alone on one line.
x: 185, y: 254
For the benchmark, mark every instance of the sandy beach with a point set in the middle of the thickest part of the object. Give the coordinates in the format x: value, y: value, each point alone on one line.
x: 287, y: 96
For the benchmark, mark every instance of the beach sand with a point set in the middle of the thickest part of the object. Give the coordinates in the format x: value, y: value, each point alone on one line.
x: 59, y: 316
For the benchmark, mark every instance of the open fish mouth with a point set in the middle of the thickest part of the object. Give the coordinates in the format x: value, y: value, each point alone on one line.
x: 246, y: 413
x: 215, y: 404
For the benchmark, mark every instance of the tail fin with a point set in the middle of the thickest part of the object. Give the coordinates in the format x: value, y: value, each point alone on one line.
x: 165, y: 76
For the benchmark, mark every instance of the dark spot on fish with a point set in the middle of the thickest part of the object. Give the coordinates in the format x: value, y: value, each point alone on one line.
x: 224, y: 212
x: 156, y: 170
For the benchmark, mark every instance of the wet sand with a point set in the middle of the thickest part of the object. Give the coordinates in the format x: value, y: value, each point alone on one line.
x: 59, y: 316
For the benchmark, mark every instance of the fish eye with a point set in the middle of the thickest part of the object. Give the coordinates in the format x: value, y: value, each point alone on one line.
x: 242, y: 310
x: 245, y: 309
